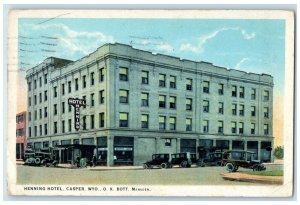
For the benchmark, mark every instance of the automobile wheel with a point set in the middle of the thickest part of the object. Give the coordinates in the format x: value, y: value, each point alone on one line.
x: 183, y: 164
x: 201, y: 164
x: 164, y: 166
x: 236, y: 168
x: 37, y: 161
x: 145, y: 166
x: 219, y: 164
x: 230, y: 167
x: 43, y: 162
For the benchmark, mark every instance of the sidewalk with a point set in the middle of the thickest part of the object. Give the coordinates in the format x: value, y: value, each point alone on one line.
x: 100, y: 168
x: 236, y: 176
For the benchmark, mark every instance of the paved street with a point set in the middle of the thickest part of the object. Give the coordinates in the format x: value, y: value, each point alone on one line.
x: 174, y: 176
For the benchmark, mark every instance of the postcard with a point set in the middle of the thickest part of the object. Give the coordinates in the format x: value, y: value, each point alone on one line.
x: 150, y: 103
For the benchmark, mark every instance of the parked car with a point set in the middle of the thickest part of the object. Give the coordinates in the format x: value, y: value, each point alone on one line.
x: 182, y: 159
x: 234, y: 159
x: 158, y: 160
x: 212, y: 159
x: 33, y: 158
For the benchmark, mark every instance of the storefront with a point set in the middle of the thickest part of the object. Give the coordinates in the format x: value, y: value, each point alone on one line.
x: 265, y: 152
x: 123, y: 150
x: 188, y: 145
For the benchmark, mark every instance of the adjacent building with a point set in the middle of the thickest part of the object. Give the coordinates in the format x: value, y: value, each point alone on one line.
x: 140, y: 103
x: 20, y: 135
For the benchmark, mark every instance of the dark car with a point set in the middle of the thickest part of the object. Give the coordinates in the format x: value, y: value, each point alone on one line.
x: 234, y: 159
x: 158, y: 160
x: 182, y: 159
x: 33, y: 158
x: 212, y: 159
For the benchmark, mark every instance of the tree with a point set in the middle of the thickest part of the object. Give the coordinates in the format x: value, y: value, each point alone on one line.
x: 278, y: 152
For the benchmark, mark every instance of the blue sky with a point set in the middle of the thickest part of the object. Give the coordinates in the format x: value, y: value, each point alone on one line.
x: 250, y: 45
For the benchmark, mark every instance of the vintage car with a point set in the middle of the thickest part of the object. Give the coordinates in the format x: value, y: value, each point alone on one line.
x: 211, y: 159
x: 234, y: 159
x: 158, y: 160
x: 33, y: 158
x: 183, y: 159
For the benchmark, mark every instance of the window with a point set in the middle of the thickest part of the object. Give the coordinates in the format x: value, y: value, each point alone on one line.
x: 241, y: 110
x: 189, y: 84
x: 221, y: 89
x: 92, y: 121
x: 145, y: 75
x: 29, y: 116
x: 253, y: 93
x: 123, y: 119
x: 123, y: 74
x: 162, y: 122
x: 221, y: 108
x: 46, y: 129
x: 205, y: 125
x: 233, y: 107
x: 242, y: 92
x: 55, y: 109
x: 55, y: 127
x: 63, y: 107
x: 172, y: 102
x: 162, y: 80
x: 233, y: 92
x: 220, y: 126
x: 233, y: 127
x: 35, y: 101
x: 84, y: 81
x: 45, y: 78
x: 92, y: 78
x: 266, y: 129
x: 145, y: 123
x: 63, y: 126
x: 70, y: 108
x: 252, y: 128
x: 172, y: 81
x: 41, y: 98
x: 266, y: 95
x: 101, y: 119
x: 35, y: 115
x: 168, y: 142
x: 101, y: 75
x: 34, y: 84
x: 92, y: 100
x: 41, y: 114
x: 35, y: 130
x: 123, y: 96
x: 29, y: 86
x: 252, y: 111
x: 172, y: 123
x: 41, y: 129
x: 205, y: 106
x: 70, y: 125
x: 205, y: 86
x: 145, y: 99
x: 29, y: 132
x: 188, y: 104
x: 69, y: 87
x: 55, y: 91
x: 266, y: 112
x: 162, y: 101
x: 40, y: 81
x: 63, y: 89
x: 45, y: 112
x: 45, y: 95
x: 188, y: 123
x: 101, y: 96
x: 84, y: 98
x: 76, y: 84
x: 84, y: 123
x: 241, y: 128
x: 29, y: 101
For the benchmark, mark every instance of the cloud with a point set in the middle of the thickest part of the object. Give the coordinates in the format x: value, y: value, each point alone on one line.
x: 202, y: 40
x: 165, y: 47
x: 238, y: 65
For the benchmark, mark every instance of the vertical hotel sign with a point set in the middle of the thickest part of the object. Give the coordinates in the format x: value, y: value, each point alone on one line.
x: 77, y: 103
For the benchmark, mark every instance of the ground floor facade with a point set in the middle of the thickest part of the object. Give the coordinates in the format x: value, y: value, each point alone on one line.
x: 128, y: 147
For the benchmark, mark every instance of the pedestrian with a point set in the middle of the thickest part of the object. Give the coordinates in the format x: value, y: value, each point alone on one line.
x: 94, y: 160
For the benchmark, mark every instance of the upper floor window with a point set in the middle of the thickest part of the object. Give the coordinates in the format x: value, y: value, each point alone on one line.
x: 162, y: 101
x: 205, y: 125
x: 41, y: 98
x: 41, y: 82
x: 92, y: 118
x: 221, y: 108
x: 188, y: 123
x: 101, y: 96
x: 123, y: 74
x: 92, y: 78
x: 172, y: 122
x: 233, y: 109
x: 233, y: 92
x: 172, y: 81
x: 205, y: 86
x: 123, y: 119
x: 34, y: 84
x: 168, y: 142
x: 145, y: 121
x: 242, y: 92
x: 29, y: 86
x: 69, y: 87
x: 63, y: 89
x: 233, y: 127
x: 188, y: 104
x: 84, y: 81
x: 123, y: 96
x: 266, y: 129
x: 162, y: 122
x: 101, y: 119
x: 84, y: 125
x: 101, y: 75
x: 253, y: 93
x: 266, y: 112
x: 172, y: 102
x: 242, y: 110
x: 45, y: 95
x: 55, y: 109
x: 252, y: 128
x: 55, y: 91
x: 92, y: 100
x: 76, y: 84
x: 253, y: 111
x: 55, y: 127
x: 220, y: 126
x: 266, y: 95
x: 205, y: 106
x: 145, y: 99
x: 145, y: 77
x: 45, y: 78
x: 221, y: 89
x: 189, y: 84
x: 241, y: 128
x: 162, y: 80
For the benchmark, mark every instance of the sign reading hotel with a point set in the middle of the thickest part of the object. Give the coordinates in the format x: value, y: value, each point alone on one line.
x: 76, y: 103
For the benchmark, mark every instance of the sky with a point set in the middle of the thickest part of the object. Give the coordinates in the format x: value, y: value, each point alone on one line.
x: 256, y: 46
